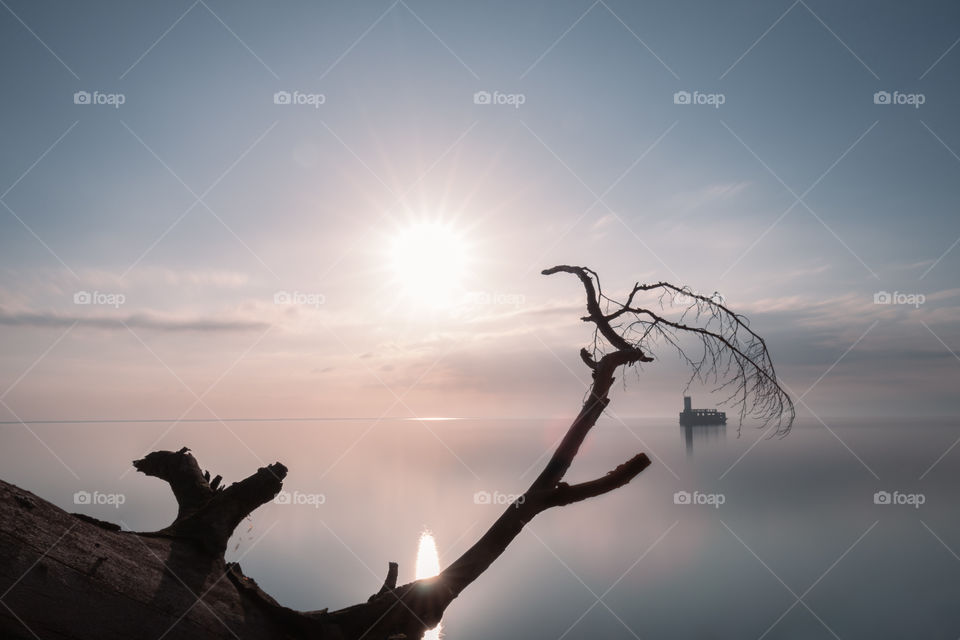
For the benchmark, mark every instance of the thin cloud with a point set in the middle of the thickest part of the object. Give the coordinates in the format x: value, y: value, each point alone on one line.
x: 51, y: 320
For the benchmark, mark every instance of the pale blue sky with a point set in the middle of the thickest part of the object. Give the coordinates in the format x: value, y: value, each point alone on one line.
x: 302, y: 199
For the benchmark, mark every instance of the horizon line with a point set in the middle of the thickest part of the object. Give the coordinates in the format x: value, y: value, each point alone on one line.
x: 288, y: 419
x: 400, y: 419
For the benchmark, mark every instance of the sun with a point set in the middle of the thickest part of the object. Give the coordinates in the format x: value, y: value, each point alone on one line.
x: 428, y: 262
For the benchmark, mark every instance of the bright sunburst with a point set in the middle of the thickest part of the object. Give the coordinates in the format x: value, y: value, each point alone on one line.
x: 428, y: 261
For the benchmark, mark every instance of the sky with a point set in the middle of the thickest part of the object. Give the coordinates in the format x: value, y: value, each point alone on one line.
x: 218, y: 212
x: 341, y: 209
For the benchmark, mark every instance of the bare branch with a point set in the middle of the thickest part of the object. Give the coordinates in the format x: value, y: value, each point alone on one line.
x: 566, y: 494
x: 595, y: 315
x: 732, y: 357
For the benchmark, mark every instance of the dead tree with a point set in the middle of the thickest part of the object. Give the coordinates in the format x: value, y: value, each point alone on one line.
x: 73, y: 577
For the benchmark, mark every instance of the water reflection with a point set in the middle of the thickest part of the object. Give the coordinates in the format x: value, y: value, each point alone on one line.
x: 428, y: 565
x: 703, y: 434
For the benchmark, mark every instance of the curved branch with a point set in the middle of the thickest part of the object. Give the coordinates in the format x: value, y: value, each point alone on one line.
x: 734, y: 356
x: 209, y: 515
x: 592, y: 409
x: 412, y: 608
x: 594, y: 314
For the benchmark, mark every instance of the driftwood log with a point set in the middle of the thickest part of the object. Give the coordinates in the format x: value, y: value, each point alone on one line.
x: 71, y: 577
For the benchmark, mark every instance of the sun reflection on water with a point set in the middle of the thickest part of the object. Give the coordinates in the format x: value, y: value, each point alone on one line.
x: 428, y: 565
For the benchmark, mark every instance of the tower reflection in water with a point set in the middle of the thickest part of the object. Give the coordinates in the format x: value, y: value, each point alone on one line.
x: 702, y: 434
x: 702, y: 425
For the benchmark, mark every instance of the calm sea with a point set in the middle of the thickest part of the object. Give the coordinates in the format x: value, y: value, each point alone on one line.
x: 848, y: 529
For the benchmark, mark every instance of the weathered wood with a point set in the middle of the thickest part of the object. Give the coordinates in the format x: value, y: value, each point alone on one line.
x: 65, y: 578
x: 208, y: 514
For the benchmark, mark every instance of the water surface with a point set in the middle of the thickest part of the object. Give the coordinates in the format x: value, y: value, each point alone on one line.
x: 786, y: 541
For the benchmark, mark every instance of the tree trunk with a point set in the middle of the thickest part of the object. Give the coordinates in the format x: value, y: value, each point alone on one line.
x: 64, y: 577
